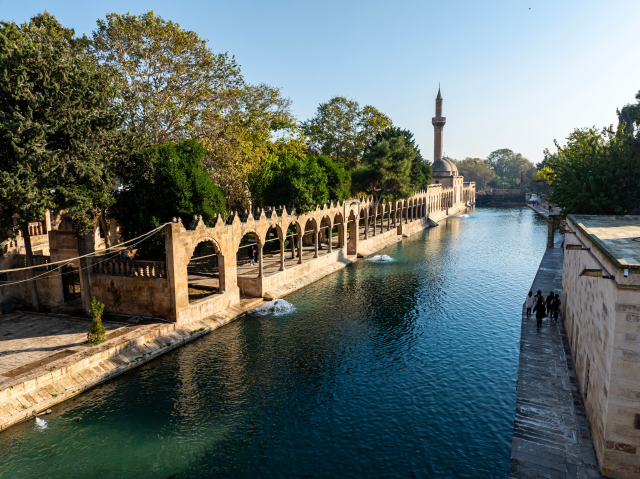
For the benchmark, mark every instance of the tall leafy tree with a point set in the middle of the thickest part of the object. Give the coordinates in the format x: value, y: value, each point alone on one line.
x: 58, y: 128
x: 174, y: 88
x: 387, y: 165
x: 168, y: 181
x: 596, y: 172
x: 342, y: 129
x: 475, y: 169
x: 298, y: 183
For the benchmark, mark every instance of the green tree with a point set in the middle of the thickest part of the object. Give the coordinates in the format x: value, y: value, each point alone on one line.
x: 58, y: 129
x: 386, y: 166
x: 596, y: 172
x: 174, y: 87
x: 342, y: 130
x: 168, y: 181
x: 338, y: 179
x: 630, y: 114
x: 475, y: 169
x: 294, y: 183
x: 97, y: 333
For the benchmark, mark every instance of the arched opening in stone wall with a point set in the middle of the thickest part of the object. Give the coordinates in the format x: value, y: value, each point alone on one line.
x: 309, y: 239
x: 325, y: 234
x: 337, y: 232
x: 248, y: 256
x: 363, y: 219
x: 272, y: 252
x: 205, y: 271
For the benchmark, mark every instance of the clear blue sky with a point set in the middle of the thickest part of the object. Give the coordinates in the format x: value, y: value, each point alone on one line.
x: 515, y: 74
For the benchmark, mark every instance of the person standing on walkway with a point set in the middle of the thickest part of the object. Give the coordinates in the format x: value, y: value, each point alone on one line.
x: 556, y: 307
x: 540, y: 312
x: 252, y: 256
x: 529, y: 302
x: 549, y: 303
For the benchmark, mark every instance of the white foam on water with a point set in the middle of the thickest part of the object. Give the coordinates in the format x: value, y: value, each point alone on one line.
x: 381, y: 258
x: 463, y: 216
x: 276, y: 307
x: 41, y: 424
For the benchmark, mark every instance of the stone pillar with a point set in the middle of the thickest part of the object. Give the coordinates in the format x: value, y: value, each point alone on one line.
x: 330, y: 236
x: 316, y: 235
x: 293, y: 246
x: 366, y: 225
x: 299, y: 249
x: 221, y: 276
x: 260, y: 269
x: 282, y: 254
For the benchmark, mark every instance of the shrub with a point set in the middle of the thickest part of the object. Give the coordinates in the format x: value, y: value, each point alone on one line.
x: 97, y: 333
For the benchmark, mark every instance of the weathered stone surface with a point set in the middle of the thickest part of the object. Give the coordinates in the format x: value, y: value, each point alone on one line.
x: 551, y: 435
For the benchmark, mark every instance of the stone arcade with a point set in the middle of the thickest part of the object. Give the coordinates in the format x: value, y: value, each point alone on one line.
x: 328, y: 238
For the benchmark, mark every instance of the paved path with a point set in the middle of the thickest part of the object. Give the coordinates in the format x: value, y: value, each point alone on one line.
x: 551, y: 437
x: 26, y: 338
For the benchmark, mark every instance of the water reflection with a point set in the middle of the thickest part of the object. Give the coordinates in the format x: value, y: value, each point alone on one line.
x: 402, y: 370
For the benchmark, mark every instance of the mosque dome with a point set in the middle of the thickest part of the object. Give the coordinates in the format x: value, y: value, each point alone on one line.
x: 454, y: 168
x: 444, y: 167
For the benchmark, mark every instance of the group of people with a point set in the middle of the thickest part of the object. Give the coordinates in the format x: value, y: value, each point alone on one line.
x: 537, y: 304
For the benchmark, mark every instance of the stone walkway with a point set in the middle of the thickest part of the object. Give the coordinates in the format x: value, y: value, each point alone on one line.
x: 551, y: 436
x: 27, y: 339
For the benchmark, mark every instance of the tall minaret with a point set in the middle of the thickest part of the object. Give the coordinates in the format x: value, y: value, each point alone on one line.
x: 438, y: 126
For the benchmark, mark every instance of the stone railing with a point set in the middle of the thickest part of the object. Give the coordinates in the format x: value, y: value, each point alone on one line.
x: 145, y: 269
x: 38, y: 260
x: 37, y: 229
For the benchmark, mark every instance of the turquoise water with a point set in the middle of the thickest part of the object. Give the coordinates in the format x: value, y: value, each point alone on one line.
x: 385, y: 370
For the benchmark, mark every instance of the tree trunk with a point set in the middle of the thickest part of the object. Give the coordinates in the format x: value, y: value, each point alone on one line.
x: 35, y: 301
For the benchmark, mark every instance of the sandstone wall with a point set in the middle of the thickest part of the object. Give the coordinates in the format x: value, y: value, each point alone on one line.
x: 602, y: 319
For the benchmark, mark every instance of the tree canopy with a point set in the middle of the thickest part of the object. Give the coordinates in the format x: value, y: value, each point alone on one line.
x: 174, y: 87
x: 59, y: 137
x: 387, y: 166
x: 476, y: 169
x: 342, y: 130
x: 168, y: 181
x: 301, y: 183
x: 596, y: 172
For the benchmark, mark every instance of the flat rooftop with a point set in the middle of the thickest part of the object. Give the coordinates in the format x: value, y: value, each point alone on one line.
x: 618, y: 235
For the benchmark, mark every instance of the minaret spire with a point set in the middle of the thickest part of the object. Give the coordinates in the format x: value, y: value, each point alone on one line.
x: 438, y: 122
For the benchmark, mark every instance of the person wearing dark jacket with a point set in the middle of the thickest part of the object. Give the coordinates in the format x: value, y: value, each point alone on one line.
x: 549, y: 303
x: 540, y: 311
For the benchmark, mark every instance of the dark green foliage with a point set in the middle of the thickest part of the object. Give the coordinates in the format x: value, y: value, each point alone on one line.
x: 392, y: 167
x: 97, y: 333
x: 596, y: 173
x: 338, y: 179
x: 58, y: 125
x: 301, y: 183
x: 167, y: 181
x: 298, y: 183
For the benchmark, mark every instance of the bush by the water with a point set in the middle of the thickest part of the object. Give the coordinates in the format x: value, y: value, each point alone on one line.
x: 97, y: 333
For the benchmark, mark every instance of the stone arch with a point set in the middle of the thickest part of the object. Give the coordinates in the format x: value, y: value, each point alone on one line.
x: 205, y: 269
x: 324, y: 235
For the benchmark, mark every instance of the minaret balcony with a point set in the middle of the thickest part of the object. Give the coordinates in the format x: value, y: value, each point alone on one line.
x: 438, y: 121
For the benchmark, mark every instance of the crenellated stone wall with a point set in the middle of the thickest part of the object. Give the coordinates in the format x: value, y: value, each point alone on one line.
x: 363, y: 225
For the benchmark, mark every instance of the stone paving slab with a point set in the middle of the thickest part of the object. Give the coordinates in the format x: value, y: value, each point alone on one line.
x: 27, y: 338
x: 551, y: 436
